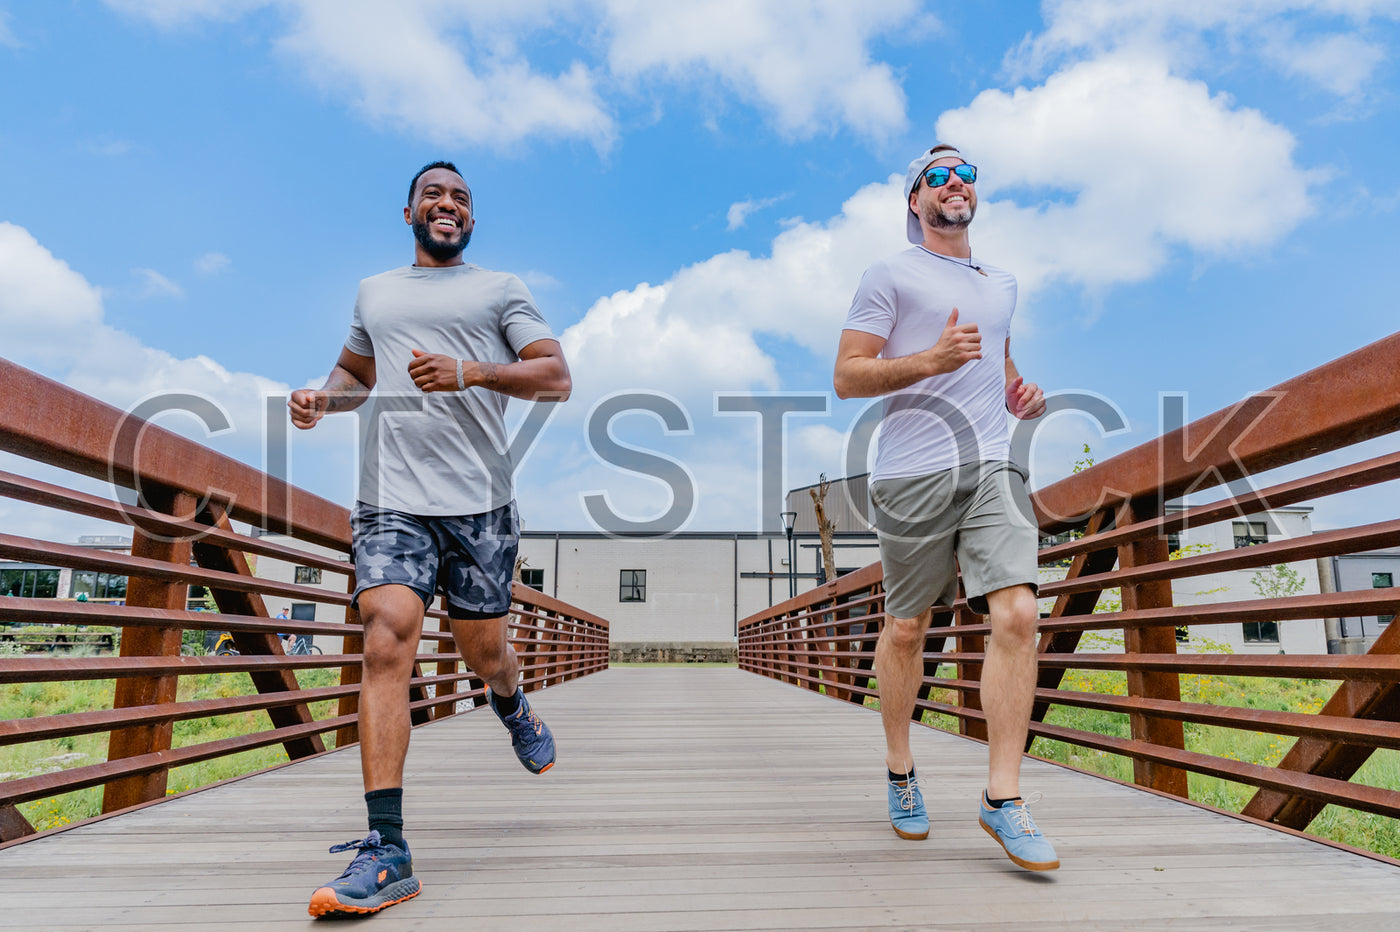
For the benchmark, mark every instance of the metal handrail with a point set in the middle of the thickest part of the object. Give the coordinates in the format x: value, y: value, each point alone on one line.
x: 182, y: 536
x: 825, y: 639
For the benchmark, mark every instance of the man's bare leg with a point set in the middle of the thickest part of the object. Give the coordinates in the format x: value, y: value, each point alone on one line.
x: 393, y: 619
x: 485, y: 649
x: 899, y: 669
x: 1008, y: 686
x: 1008, y: 693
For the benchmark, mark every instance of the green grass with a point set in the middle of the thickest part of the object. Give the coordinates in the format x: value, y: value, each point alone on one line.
x: 1359, y: 829
x: 31, y: 700
x: 1374, y: 833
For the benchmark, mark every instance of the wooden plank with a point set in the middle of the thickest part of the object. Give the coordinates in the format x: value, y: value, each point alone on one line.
x: 689, y: 798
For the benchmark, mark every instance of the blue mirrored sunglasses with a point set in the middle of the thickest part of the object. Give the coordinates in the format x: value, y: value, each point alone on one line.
x: 937, y: 175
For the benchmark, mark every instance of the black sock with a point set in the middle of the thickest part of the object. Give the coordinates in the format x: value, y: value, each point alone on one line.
x: 997, y: 803
x: 506, y: 705
x: 900, y: 777
x: 386, y: 815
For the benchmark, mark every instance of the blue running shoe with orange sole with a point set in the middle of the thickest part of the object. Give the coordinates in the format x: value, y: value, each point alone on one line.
x: 529, y: 735
x: 1016, y: 832
x: 380, y: 875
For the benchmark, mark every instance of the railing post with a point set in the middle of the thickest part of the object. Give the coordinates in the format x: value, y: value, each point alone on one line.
x: 351, y: 674
x: 1158, y: 640
x: 971, y: 672
x: 445, y: 691
x: 526, y: 652
x: 838, y: 667
x: 149, y: 642
x: 249, y: 644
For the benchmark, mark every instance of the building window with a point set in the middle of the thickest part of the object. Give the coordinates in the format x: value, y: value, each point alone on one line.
x: 1383, y: 581
x: 1249, y: 533
x: 633, y: 586
x: 108, y: 586
x: 29, y: 584
x: 1261, y: 632
x: 533, y: 578
x: 308, y: 576
x: 304, y: 611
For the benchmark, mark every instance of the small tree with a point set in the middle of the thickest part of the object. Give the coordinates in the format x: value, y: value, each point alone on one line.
x: 826, y: 528
x: 1272, y: 582
x: 1084, y: 462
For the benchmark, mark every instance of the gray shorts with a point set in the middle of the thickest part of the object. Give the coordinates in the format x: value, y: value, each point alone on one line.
x: 980, y: 512
x: 471, y: 558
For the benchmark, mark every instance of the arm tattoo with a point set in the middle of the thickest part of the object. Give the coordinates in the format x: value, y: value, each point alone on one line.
x: 346, y: 392
x: 490, y: 375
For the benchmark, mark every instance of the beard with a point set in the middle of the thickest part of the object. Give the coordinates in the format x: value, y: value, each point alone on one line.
x: 439, y: 250
x: 940, y: 218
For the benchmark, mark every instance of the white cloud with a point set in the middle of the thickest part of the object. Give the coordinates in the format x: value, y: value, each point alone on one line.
x: 212, y: 263
x: 805, y: 61
x: 1341, y: 64
x: 156, y: 285
x: 1112, y: 162
x: 539, y: 281
x: 7, y: 35
x: 696, y: 332
x: 740, y: 211
x: 405, y: 68
x: 53, y: 323
x: 457, y: 71
x: 1332, y: 48
x: 172, y: 13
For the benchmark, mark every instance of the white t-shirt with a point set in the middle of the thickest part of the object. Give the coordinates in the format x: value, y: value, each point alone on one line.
x: 950, y: 419
x: 440, y: 453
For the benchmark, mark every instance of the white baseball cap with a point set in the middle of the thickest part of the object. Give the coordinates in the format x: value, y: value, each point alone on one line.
x: 912, y: 230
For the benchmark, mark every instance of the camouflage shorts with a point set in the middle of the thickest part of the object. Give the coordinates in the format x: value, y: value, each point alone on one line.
x: 471, y: 558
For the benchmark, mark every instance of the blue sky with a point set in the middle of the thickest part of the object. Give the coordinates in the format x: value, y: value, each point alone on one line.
x: 1195, y: 196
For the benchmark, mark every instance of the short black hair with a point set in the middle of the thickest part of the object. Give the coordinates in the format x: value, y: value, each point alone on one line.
x: 413, y: 185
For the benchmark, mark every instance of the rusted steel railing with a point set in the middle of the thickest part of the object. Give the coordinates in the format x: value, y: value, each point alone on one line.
x: 183, y: 536
x: 825, y: 640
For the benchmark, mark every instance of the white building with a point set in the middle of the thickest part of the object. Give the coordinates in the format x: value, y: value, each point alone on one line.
x: 681, y: 596
x: 1302, y: 636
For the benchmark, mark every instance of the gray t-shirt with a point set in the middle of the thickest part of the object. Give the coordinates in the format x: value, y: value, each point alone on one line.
x: 957, y: 417
x: 441, y: 453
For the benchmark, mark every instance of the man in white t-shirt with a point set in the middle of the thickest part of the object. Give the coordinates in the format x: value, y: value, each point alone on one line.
x: 943, y: 486
x: 443, y: 343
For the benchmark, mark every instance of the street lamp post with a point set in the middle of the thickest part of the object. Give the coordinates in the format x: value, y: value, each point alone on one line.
x: 789, y: 520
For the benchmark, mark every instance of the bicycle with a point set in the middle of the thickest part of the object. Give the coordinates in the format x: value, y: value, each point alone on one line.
x: 300, y: 647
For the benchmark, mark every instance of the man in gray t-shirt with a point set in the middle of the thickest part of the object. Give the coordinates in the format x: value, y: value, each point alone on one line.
x: 442, y: 343
x: 945, y: 495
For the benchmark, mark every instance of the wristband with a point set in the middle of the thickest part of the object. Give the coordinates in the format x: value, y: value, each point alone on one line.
x: 461, y: 382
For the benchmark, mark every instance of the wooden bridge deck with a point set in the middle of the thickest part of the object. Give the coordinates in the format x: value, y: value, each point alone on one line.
x: 688, y: 798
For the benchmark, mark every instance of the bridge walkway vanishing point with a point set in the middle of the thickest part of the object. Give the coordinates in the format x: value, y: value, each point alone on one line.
x: 688, y: 798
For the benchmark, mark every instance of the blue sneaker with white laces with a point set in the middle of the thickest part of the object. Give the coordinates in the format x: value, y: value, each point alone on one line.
x: 380, y: 875
x: 1016, y: 832
x: 907, y: 813
x: 529, y: 735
